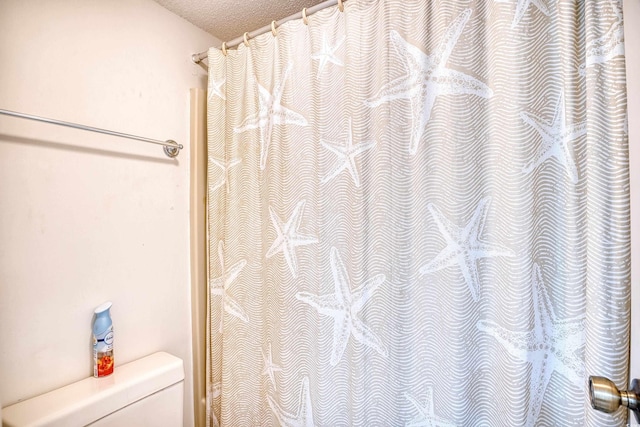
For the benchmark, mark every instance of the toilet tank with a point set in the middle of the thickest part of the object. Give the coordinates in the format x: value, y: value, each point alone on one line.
x: 146, y: 392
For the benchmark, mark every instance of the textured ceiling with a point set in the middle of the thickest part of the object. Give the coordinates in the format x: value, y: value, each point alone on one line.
x: 228, y: 19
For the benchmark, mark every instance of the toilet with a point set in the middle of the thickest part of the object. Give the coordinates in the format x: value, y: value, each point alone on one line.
x: 146, y: 392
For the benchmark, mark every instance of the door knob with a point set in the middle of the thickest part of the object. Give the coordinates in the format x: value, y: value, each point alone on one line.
x: 606, y: 397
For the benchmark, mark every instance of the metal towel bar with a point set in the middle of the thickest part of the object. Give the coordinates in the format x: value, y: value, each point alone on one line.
x: 171, y: 148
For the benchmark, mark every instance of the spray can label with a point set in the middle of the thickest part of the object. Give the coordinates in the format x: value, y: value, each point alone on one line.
x: 103, y: 354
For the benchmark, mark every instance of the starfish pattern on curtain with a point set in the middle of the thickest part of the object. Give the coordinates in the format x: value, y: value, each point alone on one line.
x: 607, y: 46
x: 220, y: 285
x: 522, y: 6
x: 556, y: 139
x: 327, y: 54
x: 304, y: 414
x: 427, y: 77
x: 551, y: 346
x: 214, y: 391
x: 347, y: 153
x: 343, y: 306
x: 214, y: 88
x: 464, y: 247
x: 225, y: 165
x: 289, y: 237
x: 426, y: 413
x: 270, y: 113
x: 270, y: 368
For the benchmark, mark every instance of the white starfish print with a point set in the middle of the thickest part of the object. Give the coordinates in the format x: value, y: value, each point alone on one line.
x: 288, y: 237
x: 522, y: 6
x: 225, y: 165
x: 343, y: 305
x: 327, y: 54
x: 427, y: 416
x: 464, y: 246
x: 271, y: 112
x: 303, y: 417
x: 608, y: 46
x: 213, y: 392
x: 270, y: 368
x: 219, y: 287
x: 346, y: 154
x: 215, y: 88
x: 427, y: 77
x: 556, y: 139
x: 551, y: 345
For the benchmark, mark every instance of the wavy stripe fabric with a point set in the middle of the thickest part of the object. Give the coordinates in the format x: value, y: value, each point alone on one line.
x: 419, y: 216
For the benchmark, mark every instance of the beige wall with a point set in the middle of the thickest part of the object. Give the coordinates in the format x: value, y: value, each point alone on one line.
x: 632, y: 48
x: 86, y: 218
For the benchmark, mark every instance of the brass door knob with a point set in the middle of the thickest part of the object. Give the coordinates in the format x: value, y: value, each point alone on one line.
x: 606, y: 397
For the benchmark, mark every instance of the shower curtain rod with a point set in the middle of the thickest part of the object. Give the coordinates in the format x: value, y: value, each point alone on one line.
x: 171, y: 148
x: 197, y: 57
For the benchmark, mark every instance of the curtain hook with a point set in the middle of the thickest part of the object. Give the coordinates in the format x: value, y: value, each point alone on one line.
x: 246, y: 40
x: 273, y: 28
x: 224, y: 48
x: 340, y: 6
x: 304, y: 16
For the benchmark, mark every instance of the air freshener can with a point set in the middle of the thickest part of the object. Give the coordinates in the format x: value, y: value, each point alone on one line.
x: 103, y: 342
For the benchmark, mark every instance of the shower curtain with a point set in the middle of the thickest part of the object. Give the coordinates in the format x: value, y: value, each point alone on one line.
x: 419, y: 216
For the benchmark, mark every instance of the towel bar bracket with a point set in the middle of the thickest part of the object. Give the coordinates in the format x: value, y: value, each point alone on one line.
x: 171, y: 151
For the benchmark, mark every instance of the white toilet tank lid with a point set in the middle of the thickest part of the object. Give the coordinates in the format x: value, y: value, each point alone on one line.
x: 86, y: 401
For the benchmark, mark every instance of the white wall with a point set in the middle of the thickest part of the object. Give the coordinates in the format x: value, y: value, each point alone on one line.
x: 632, y: 50
x: 86, y: 218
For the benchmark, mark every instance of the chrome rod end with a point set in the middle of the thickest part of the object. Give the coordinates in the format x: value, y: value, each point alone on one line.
x: 172, y: 151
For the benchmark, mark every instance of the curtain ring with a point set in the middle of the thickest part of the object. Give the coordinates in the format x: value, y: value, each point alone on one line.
x: 224, y: 48
x: 246, y: 41
x: 304, y: 16
x: 273, y: 28
x: 340, y: 6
